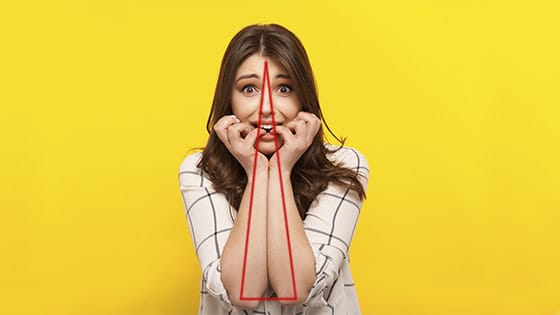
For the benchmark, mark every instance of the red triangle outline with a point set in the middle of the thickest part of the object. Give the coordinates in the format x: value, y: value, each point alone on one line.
x: 266, y: 79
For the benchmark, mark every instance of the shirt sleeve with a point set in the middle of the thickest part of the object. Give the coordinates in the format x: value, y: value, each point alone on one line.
x: 330, y: 224
x: 208, y: 214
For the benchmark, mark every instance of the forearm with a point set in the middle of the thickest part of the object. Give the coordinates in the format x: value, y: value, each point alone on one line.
x: 256, y: 279
x: 279, y: 271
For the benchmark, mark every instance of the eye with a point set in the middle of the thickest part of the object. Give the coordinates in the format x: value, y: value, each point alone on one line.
x: 249, y: 89
x: 284, y: 89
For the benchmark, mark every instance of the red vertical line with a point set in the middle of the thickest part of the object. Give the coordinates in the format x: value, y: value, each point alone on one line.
x: 265, y: 72
x: 281, y: 184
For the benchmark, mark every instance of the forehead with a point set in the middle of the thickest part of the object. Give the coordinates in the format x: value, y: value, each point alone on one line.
x: 255, y: 64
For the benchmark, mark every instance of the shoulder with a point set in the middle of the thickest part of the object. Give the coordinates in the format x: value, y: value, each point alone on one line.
x: 348, y: 157
x: 190, y: 162
x: 190, y: 174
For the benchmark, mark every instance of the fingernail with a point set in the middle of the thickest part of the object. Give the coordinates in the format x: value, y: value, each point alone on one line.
x: 234, y: 117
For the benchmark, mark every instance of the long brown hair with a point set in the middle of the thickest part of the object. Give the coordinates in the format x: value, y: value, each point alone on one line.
x: 313, y: 171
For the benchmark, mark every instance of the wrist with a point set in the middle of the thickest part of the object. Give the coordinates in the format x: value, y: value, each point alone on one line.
x: 260, y: 171
x: 285, y: 170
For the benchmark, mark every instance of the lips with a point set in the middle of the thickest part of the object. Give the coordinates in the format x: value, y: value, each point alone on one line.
x: 267, y: 137
x: 267, y: 126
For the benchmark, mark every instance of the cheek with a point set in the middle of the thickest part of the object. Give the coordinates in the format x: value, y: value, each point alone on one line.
x: 242, y: 107
x: 289, y: 108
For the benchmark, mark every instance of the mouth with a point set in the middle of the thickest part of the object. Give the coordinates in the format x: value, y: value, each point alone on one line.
x: 268, y: 126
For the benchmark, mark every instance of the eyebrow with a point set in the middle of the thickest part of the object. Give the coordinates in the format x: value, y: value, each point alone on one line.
x: 254, y: 75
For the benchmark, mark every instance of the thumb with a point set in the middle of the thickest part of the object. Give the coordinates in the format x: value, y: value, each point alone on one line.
x: 252, y: 136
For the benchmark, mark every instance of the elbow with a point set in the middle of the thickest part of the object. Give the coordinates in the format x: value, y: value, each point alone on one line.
x: 248, y: 305
x: 284, y: 287
x: 250, y: 301
x: 234, y: 295
x: 297, y: 301
x: 300, y: 296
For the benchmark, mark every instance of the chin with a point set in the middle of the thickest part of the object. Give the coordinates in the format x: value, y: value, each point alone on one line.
x: 267, y: 148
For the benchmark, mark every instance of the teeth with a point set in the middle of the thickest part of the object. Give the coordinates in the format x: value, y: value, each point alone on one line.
x: 266, y: 126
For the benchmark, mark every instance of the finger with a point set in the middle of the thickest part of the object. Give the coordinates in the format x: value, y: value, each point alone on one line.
x: 291, y: 125
x: 222, y: 135
x: 313, y: 128
x: 246, y: 129
x: 234, y: 118
x: 286, y: 133
x: 308, y: 117
x: 297, y: 127
x: 234, y: 132
x: 300, y: 129
x: 226, y: 121
x: 313, y: 123
x: 253, y: 134
x: 221, y: 131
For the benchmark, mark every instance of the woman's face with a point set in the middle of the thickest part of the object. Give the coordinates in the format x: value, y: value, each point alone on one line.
x: 246, y: 97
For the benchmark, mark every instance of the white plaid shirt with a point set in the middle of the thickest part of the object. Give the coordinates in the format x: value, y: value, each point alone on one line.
x: 329, y: 226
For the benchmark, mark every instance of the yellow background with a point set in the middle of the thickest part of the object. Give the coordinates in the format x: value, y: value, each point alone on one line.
x: 454, y: 103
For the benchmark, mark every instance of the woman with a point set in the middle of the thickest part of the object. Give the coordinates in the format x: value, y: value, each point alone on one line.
x: 241, y: 180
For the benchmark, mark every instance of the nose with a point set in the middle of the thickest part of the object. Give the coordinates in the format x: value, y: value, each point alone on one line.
x: 266, y: 103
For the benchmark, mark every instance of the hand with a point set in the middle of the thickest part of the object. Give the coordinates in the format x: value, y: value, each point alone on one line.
x: 298, y: 135
x: 239, y: 138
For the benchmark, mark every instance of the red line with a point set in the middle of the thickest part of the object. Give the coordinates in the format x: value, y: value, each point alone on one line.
x: 252, y: 188
x: 281, y: 187
x: 266, y: 78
